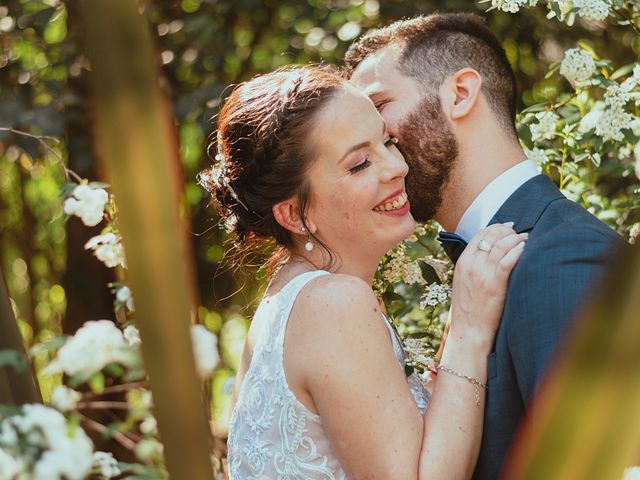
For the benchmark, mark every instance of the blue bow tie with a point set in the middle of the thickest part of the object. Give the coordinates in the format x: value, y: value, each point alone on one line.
x: 453, y: 245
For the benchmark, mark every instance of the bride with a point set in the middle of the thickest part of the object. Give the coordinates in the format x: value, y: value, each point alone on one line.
x: 304, y: 161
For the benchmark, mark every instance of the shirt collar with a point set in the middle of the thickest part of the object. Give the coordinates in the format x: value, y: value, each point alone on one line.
x: 489, y: 201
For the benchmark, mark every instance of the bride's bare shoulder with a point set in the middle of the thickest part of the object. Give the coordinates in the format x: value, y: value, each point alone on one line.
x: 335, y: 298
x: 338, y: 286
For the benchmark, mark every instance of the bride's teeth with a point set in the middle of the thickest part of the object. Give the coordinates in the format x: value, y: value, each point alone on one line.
x: 396, y: 204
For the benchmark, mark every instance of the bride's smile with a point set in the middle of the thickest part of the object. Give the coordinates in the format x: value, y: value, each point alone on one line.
x: 396, y: 204
x: 360, y: 199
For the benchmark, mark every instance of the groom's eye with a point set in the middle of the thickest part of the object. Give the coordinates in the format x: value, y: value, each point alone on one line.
x: 391, y: 141
x: 379, y: 105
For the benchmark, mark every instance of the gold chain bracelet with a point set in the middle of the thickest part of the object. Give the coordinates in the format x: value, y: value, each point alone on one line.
x: 474, y: 381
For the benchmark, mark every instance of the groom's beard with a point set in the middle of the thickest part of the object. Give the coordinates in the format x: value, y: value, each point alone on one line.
x: 431, y: 149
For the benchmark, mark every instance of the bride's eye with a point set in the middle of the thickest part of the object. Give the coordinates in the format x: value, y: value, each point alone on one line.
x: 391, y: 141
x: 361, y: 166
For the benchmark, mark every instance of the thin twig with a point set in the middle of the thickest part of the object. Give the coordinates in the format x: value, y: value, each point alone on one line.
x: 119, y: 437
x: 41, y: 139
x: 124, y: 387
x: 103, y: 405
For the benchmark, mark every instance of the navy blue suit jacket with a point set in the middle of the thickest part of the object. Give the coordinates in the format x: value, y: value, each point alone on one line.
x: 566, y: 253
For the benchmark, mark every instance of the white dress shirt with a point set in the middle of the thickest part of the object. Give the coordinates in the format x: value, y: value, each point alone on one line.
x: 487, y: 204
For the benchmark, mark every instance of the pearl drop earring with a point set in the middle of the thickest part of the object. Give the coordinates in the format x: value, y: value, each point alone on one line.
x: 309, y: 245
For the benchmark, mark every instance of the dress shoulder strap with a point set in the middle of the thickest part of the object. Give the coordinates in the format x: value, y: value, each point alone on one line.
x: 287, y: 297
x: 292, y: 289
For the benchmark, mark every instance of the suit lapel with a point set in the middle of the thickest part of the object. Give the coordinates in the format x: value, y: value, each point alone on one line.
x: 525, y: 206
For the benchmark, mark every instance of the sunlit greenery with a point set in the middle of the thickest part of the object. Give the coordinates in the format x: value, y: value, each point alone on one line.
x: 203, y: 47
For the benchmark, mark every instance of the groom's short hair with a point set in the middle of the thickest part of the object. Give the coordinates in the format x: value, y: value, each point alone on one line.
x: 436, y: 46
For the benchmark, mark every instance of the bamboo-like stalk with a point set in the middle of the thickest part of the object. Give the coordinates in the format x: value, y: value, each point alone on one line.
x: 585, y: 422
x: 137, y: 142
x: 16, y: 388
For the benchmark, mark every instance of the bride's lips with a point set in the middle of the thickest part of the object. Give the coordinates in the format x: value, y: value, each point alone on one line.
x: 395, y: 204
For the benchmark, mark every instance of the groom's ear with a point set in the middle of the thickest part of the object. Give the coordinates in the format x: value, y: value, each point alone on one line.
x: 287, y: 214
x: 463, y: 90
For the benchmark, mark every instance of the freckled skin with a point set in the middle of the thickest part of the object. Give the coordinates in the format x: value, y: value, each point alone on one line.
x: 345, y: 195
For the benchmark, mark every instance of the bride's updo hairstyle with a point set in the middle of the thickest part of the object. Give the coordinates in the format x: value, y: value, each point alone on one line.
x: 264, y: 149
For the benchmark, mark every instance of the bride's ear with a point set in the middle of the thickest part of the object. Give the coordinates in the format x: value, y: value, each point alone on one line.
x: 287, y: 214
x: 461, y: 92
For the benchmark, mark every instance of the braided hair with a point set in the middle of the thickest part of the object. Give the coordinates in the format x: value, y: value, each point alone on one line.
x: 264, y: 150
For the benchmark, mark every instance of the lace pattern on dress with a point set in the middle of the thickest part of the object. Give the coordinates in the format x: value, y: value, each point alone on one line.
x: 272, y: 435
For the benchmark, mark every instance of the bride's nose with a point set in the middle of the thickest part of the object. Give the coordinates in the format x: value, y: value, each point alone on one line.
x: 394, y: 167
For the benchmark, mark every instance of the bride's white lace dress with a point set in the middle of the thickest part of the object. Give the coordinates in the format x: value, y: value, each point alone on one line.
x: 272, y: 435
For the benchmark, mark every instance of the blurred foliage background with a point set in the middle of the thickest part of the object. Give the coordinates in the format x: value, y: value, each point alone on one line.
x: 203, y: 47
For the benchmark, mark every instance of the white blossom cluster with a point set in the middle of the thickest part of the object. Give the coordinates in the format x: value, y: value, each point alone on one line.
x: 611, y: 118
x: 123, y: 295
x: 41, y: 442
x: 632, y: 473
x: 612, y: 122
x: 205, y: 350
x: 593, y: 9
x: 634, y: 233
x: 636, y: 156
x: 96, y: 344
x: 537, y: 156
x: 564, y: 6
x: 140, y: 402
x: 106, y: 465
x: 87, y: 203
x: 577, y: 66
x: 417, y: 353
x: 132, y: 335
x: 400, y: 268
x: 108, y: 249
x: 435, y: 295
x: 412, y: 273
x: 148, y: 449
x: 589, y: 9
x: 512, y: 6
x: 64, y: 398
x: 546, y: 126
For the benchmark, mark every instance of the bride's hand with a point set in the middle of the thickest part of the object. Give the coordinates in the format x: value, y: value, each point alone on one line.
x: 480, y: 282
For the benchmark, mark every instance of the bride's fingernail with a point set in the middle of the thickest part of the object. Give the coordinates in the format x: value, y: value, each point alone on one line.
x: 524, y: 235
x: 520, y: 245
x: 508, y: 224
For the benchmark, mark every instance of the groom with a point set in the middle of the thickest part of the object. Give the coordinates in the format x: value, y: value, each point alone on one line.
x: 447, y: 92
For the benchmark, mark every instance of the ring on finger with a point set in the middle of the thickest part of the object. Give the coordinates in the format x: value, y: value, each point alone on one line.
x: 484, y: 246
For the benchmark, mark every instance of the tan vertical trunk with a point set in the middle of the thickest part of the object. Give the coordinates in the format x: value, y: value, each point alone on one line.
x: 16, y: 388
x: 135, y: 134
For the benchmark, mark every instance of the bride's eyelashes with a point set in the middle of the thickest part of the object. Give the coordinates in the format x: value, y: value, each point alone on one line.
x: 389, y: 142
x: 361, y: 166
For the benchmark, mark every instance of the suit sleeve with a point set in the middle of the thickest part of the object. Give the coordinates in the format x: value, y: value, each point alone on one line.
x: 552, y: 285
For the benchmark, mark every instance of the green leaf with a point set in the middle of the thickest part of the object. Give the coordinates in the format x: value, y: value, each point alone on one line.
x: 114, y: 369
x: 538, y: 107
x: 96, y: 383
x: 629, y: 136
x: 552, y: 71
x: 50, y: 345
x: 391, y: 296
x: 14, y: 359
x: 581, y: 157
x: 429, y: 273
x: 622, y: 71
x: 67, y: 189
x: 56, y: 30
x: 9, y: 410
